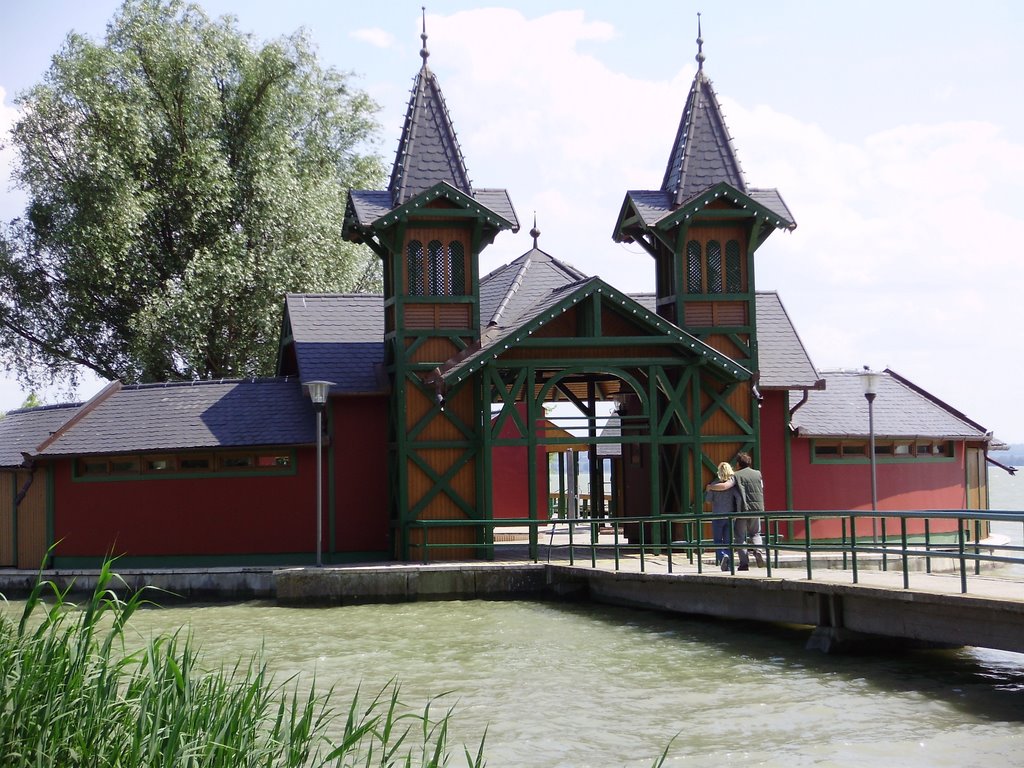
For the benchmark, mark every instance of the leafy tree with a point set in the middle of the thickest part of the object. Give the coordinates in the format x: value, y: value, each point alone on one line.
x: 181, y: 177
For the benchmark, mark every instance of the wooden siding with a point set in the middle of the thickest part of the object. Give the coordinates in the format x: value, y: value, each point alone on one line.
x: 433, y: 350
x: 700, y: 314
x: 587, y: 353
x: 419, y: 317
x: 8, y: 488
x: 726, y: 345
x: 31, y: 521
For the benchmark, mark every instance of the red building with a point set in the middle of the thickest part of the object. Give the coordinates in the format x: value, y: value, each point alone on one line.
x: 439, y: 389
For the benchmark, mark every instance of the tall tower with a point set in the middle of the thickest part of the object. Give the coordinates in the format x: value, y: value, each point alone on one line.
x: 703, y: 226
x: 429, y: 228
x: 702, y: 229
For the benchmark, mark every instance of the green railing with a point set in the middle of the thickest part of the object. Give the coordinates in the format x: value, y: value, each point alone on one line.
x: 865, y: 540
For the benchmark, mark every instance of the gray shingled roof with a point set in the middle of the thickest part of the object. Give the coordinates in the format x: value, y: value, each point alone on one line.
x: 703, y: 153
x: 24, y: 430
x: 901, y: 410
x: 428, y: 151
x: 206, y: 414
x: 508, y: 293
x: 339, y: 338
x: 782, y: 358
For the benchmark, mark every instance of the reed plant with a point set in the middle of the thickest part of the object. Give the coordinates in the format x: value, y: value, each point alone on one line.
x: 72, y: 694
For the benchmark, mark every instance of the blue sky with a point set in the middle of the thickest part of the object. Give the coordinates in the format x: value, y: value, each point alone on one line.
x: 894, y: 131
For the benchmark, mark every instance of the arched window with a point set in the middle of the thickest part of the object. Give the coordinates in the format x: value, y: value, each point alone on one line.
x: 733, y: 271
x: 693, y: 281
x: 714, y: 266
x: 436, y: 268
x: 457, y: 268
x: 414, y: 262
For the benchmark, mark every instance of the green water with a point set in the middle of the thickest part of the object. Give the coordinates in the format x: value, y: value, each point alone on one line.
x: 579, y: 686
x: 563, y: 685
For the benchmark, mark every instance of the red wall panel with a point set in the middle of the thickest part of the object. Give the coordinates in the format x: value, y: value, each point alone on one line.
x: 360, y: 451
x: 204, y: 515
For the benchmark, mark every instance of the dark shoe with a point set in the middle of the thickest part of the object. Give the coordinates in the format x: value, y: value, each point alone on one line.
x: 759, y: 558
x: 725, y: 563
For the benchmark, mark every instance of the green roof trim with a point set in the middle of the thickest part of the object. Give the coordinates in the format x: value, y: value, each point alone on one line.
x: 585, y: 290
x: 443, y: 189
x: 697, y: 205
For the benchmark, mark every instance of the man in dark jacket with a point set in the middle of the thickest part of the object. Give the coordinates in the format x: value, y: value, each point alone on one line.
x: 752, y: 488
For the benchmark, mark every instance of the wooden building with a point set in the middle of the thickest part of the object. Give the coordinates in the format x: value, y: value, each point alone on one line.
x: 437, y: 381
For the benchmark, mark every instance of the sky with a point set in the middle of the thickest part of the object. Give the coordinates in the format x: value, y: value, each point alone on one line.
x: 893, y: 130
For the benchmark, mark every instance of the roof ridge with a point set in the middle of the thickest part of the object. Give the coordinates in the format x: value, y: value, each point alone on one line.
x: 207, y: 382
x: 513, y: 288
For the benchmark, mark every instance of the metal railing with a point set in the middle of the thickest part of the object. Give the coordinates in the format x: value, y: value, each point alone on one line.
x: 911, y: 540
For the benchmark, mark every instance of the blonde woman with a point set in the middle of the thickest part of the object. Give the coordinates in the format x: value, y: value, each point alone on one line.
x: 726, y: 503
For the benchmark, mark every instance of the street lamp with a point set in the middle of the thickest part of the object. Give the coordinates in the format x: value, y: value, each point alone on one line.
x: 869, y: 380
x: 318, y: 394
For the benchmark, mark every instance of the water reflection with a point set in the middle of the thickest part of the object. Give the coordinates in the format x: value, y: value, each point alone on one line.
x: 575, y: 685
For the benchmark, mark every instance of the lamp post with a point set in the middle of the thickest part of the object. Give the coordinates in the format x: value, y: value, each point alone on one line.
x: 869, y: 380
x: 318, y: 394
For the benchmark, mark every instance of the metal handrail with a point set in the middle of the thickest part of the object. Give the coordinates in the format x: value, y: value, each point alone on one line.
x: 655, y: 538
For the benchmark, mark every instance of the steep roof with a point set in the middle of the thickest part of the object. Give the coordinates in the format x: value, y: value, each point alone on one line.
x: 703, y: 153
x: 428, y: 151
x: 782, y: 359
x: 901, y: 410
x: 507, y: 293
x: 203, y: 414
x: 23, y: 430
x: 339, y: 338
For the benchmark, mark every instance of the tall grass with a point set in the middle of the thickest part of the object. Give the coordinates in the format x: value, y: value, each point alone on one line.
x: 72, y: 695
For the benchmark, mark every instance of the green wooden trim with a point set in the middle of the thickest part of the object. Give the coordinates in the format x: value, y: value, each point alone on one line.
x: 417, y: 206
x: 442, y: 483
x: 696, y: 209
x: 213, y: 474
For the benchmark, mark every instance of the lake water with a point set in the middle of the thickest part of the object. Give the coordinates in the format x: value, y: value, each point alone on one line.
x: 579, y: 686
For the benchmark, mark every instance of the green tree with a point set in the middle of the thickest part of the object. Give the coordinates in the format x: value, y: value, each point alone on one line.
x: 181, y: 178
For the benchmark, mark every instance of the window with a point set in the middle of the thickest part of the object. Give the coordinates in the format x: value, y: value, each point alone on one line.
x: 271, y: 460
x: 885, y: 450
x: 440, y: 271
x: 414, y: 260
x: 706, y: 272
x: 714, y: 266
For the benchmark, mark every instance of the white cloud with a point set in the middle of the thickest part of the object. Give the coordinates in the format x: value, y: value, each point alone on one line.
x: 376, y: 37
x: 905, y: 252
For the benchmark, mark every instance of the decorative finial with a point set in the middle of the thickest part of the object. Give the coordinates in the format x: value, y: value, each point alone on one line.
x: 424, y: 53
x: 700, y: 47
x: 535, y: 233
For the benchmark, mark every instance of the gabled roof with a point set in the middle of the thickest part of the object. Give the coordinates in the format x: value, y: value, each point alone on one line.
x: 702, y: 154
x: 656, y: 209
x: 428, y: 151
x: 339, y: 338
x: 190, y: 415
x: 22, y: 430
x: 901, y: 410
x: 497, y: 338
x: 508, y: 292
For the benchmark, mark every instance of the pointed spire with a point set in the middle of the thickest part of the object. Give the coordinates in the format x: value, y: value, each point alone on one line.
x: 424, y: 53
x: 702, y: 154
x: 700, y: 47
x: 428, y: 151
x: 535, y: 233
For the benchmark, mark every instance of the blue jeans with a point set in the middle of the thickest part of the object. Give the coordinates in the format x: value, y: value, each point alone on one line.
x: 721, y: 534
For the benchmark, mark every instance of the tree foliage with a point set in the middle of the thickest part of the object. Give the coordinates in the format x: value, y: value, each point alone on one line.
x: 182, y: 177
